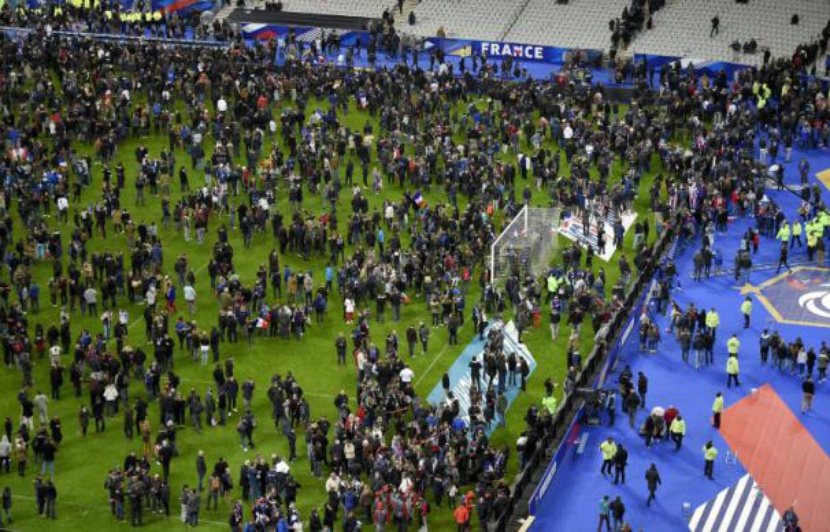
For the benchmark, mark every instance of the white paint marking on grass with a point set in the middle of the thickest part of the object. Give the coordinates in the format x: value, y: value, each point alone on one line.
x: 434, y: 361
x: 432, y: 364
x: 322, y: 395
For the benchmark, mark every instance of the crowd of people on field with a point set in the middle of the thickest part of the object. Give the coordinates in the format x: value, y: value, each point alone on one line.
x: 257, y: 136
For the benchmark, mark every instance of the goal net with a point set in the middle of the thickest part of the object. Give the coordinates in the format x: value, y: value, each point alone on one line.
x: 526, y: 245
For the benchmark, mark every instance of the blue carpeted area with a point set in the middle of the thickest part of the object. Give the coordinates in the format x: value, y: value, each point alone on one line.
x: 571, y: 501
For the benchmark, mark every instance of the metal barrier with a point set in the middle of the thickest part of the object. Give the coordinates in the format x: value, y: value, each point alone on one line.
x: 600, y: 356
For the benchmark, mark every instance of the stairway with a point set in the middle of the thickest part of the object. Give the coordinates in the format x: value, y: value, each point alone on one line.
x: 402, y: 18
x: 224, y: 13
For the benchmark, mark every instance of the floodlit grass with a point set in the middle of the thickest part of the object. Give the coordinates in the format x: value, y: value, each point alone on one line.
x: 82, y: 463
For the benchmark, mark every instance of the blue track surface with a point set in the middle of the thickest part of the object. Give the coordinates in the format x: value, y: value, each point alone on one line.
x: 570, y: 503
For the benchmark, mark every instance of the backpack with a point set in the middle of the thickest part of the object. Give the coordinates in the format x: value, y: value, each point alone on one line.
x: 215, y: 483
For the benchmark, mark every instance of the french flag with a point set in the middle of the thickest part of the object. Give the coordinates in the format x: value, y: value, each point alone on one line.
x: 419, y: 200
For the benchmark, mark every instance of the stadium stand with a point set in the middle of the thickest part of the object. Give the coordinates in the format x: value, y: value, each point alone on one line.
x: 356, y: 8
x: 586, y: 27
x: 470, y: 19
x: 682, y: 28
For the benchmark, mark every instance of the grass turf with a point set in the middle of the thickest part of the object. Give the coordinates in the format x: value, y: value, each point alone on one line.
x: 82, y: 463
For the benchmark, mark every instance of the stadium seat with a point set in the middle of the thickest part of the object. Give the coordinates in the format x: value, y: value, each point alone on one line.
x: 355, y: 8
x: 682, y: 28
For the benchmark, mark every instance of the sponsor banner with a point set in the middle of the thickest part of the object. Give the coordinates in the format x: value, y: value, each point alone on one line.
x: 180, y: 6
x: 496, y: 50
x: 701, y: 66
x: 568, y: 443
x: 459, y: 372
x: 265, y: 32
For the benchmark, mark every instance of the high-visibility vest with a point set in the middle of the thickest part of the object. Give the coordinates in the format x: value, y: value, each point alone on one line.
x: 608, y: 449
x: 710, y: 453
x: 712, y: 320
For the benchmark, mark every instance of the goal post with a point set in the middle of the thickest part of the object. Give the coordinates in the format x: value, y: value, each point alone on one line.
x: 525, y: 245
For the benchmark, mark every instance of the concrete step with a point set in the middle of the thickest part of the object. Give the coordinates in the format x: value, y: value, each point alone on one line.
x: 224, y: 13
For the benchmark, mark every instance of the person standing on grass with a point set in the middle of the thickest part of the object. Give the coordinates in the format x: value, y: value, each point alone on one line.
x: 129, y: 421
x: 423, y: 336
x: 41, y: 403
x: 501, y: 409
x: 462, y: 518
x: 340, y: 345
x: 710, y: 452
x: 411, y: 339
x: 194, y: 504
x: 83, y: 420
x: 50, y: 495
x: 184, y: 497
x: 48, y: 454
x: 190, y: 298
x: 137, y: 493
x: 201, y: 469
x: 5, y: 454
x: 348, y: 308
x: 652, y: 481
x: 717, y: 410
x: 7, y: 504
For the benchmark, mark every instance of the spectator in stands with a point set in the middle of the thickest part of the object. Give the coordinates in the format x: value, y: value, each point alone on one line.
x: 715, y: 26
